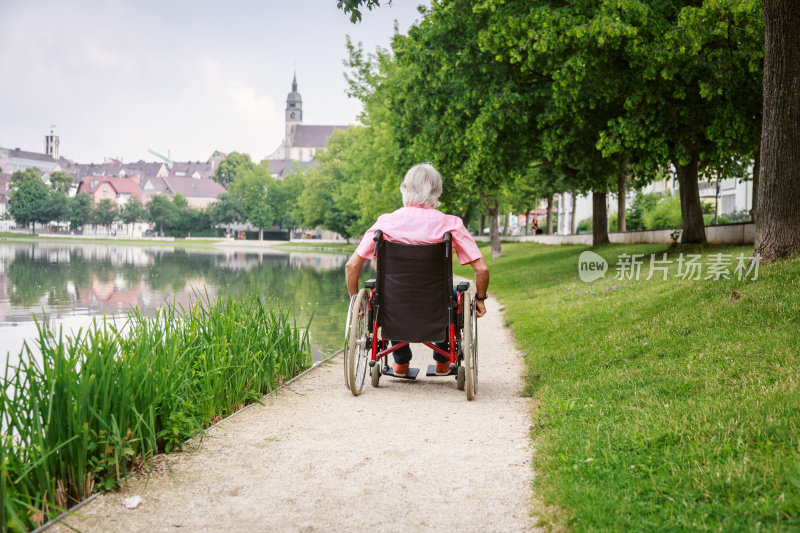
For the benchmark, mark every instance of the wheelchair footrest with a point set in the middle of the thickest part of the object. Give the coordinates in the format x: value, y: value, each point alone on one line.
x: 432, y: 372
x: 411, y: 374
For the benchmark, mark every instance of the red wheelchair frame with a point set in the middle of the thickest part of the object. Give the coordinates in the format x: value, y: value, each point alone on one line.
x: 364, y: 342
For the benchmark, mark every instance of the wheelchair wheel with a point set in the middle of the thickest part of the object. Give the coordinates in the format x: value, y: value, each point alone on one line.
x: 470, y: 364
x: 375, y: 374
x: 461, y: 377
x: 356, y: 349
x: 474, y: 319
x: 345, y: 350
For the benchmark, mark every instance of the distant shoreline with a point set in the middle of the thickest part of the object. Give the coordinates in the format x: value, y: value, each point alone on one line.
x: 315, y: 245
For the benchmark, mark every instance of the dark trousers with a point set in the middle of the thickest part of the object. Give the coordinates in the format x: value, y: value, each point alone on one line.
x: 403, y: 355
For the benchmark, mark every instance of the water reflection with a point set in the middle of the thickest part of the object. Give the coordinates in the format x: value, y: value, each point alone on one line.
x: 69, y: 280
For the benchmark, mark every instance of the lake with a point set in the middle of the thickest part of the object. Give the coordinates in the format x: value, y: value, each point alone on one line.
x: 70, y: 284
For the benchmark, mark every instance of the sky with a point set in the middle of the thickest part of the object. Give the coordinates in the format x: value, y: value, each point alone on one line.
x: 118, y: 78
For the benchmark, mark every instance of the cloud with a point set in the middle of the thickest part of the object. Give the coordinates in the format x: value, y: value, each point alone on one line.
x: 120, y: 77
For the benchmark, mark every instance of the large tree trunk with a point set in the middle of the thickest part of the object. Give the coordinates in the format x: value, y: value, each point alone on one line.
x: 778, y: 212
x: 506, y: 220
x: 467, y: 219
x: 622, y: 191
x: 599, y: 218
x: 494, y: 232
x: 483, y: 224
x: 549, y: 214
x: 694, y: 231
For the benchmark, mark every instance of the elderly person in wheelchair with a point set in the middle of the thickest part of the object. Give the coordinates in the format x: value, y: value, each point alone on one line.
x: 413, y: 298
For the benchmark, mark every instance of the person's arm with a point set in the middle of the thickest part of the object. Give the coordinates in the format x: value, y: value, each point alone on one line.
x: 481, y: 283
x: 352, y: 269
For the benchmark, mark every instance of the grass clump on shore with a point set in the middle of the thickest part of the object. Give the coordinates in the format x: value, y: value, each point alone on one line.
x: 661, y: 405
x: 101, y: 403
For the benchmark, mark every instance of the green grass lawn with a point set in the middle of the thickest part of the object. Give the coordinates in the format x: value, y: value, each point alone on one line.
x: 660, y: 405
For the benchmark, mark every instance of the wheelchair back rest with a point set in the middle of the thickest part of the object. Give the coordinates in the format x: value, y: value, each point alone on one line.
x: 414, y: 287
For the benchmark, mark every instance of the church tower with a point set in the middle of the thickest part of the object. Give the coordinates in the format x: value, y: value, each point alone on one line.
x: 294, y: 115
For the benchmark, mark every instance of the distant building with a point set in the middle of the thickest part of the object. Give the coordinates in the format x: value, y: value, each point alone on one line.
x: 301, y: 141
x: 15, y: 159
x: 279, y: 168
x: 52, y: 143
x: 118, y: 190
x: 5, y: 191
x: 114, y: 180
x: 199, y: 192
x: 306, y: 140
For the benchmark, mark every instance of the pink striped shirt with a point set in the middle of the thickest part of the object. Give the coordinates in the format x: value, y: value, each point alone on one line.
x: 421, y: 225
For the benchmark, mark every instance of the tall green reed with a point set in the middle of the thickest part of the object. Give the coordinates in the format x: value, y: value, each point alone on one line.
x: 102, y: 402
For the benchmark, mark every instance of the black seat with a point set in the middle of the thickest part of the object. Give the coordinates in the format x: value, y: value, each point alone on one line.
x: 414, y: 290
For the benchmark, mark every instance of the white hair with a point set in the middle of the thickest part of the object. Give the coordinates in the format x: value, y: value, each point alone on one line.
x: 422, y: 186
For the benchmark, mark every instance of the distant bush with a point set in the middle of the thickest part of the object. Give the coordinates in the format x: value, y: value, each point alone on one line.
x: 665, y: 214
x: 584, y: 226
x: 642, y: 203
x: 739, y: 216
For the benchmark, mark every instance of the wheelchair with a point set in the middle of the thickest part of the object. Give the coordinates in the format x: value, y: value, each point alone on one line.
x: 412, y: 299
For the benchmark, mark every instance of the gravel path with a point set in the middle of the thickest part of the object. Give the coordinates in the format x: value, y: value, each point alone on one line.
x: 408, y: 456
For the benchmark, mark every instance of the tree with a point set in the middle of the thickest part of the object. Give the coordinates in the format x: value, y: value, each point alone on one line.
x: 60, y: 181
x: 362, y: 176
x: 228, y: 209
x: 29, y: 174
x: 232, y: 168
x: 253, y: 188
x: 693, y: 103
x: 80, y: 209
x: 104, y: 213
x: 460, y: 109
x: 778, y: 211
x: 283, y: 200
x: 192, y: 219
x: 353, y: 7
x: 695, y: 98
x: 339, y: 221
x: 162, y: 212
x: 58, y: 206
x: 261, y: 217
x: 30, y: 201
x: 132, y: 212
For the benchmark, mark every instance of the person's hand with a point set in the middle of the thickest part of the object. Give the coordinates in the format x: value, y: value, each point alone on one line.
x: 480, y: 308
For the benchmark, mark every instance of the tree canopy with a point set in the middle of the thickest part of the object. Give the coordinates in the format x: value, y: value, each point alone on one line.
x: 30, y: 201
x: 556, y: 96
x: 232, y: 168
x: 60, y: 181
x: 29, y: 174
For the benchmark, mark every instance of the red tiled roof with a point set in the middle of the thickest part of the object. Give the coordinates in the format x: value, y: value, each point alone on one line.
x: 120, y: 185
x: 191, y: 187
x: 159, y: 186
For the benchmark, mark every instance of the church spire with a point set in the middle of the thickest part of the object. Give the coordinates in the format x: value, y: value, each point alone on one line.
x: 294, y: 114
